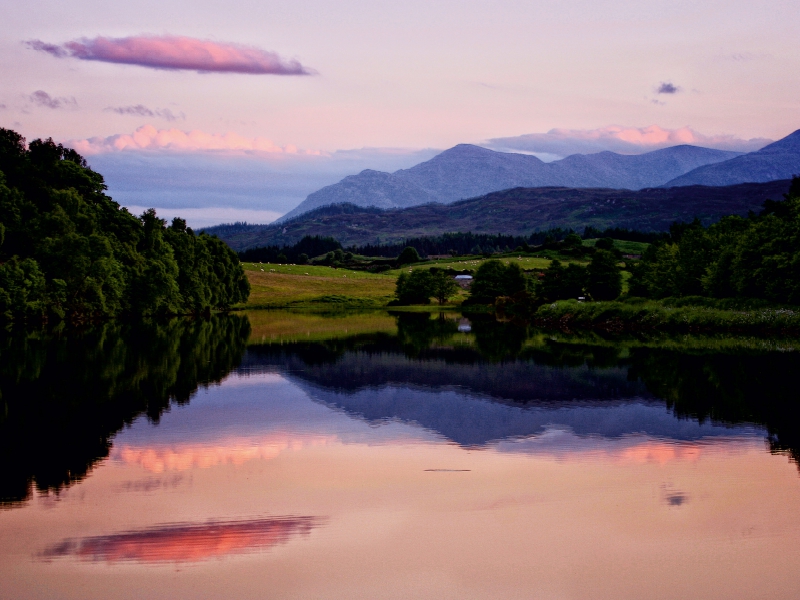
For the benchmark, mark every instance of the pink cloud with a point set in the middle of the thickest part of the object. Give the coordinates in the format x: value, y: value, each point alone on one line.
x: 148, y: 137
x: 175, y: 53
x: 626, y: 140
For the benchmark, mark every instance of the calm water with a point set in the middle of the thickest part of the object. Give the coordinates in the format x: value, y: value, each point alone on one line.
x: 281, y: 455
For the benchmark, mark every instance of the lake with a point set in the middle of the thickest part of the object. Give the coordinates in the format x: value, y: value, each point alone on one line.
x: 395, y: 455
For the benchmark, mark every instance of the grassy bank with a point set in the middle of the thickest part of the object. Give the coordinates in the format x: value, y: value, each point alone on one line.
x: 654, y: 315
x: 281, y: 326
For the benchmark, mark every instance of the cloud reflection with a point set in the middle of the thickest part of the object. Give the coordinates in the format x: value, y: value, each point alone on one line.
x: 185, y: 542
x: 235, y: 451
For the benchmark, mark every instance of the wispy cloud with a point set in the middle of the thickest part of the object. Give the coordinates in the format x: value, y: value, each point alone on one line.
x: 140, y: 110
x: 42, y: 98
x: 148, y: 137
x: 175, y: 53
x: 185, y: 542
x: 626, y: 140
x: 666, y: 87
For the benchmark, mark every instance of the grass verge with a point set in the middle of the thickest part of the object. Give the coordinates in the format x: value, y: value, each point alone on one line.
x: 653, y: 315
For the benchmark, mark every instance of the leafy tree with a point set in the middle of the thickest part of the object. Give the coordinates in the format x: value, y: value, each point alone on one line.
x: 603, y: 276
x: 408, y: 256
x: 605, y: 243
x: 493, y: 279
x: 414, y: 287
x: 573, y: 240
x: 441, y: 285
x: 561, y: 283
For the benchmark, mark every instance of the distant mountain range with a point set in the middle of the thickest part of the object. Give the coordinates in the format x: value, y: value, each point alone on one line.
x: 517, y: 211
x: 779, y: 160
x: 467, y: 171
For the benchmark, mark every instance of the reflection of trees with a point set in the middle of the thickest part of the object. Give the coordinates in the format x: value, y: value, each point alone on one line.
x: 65, y: 396
x: 728, y: 387
x: 498, y: 341
x: 720, y: 384
x: 416, y: 332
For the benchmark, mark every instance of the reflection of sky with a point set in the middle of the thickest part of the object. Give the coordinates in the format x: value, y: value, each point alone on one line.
x: 261, y: 416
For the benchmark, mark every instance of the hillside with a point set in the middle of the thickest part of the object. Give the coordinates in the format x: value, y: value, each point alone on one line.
x: 466, y: 171
x: 779, y: 160
x: 516, y: 212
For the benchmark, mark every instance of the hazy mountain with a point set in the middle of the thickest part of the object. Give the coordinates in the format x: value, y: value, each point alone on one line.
x: 517, y: 211
x: 779, y: 160
x: 467, y: 171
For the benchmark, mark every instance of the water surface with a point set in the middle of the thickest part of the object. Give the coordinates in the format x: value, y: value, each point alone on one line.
x: 290, y: 455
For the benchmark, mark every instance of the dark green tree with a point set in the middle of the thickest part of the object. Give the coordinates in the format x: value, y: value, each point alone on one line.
x: 493, y: 279
x: 442, y: 286
x: 561, y: 283
x: 414, y: 287
x: 603, y: 276
x: 408, y: 256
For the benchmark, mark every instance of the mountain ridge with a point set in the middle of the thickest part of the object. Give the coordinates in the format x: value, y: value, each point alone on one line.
x: 778, y: 160
x: 518, y: 211
x: 466, y: 171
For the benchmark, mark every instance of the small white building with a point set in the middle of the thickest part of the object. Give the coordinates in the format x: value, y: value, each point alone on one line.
x: 464, y: 280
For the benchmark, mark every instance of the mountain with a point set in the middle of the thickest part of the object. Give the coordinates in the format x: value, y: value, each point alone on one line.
x: 517, y: 211
x: 467, y: 171
x: 779, y: 160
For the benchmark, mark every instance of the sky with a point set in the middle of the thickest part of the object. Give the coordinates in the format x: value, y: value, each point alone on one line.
x: 236, y: 111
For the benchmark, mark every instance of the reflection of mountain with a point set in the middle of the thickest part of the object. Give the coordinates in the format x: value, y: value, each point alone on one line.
x: 65, y: 396
x: 473, y: 403
x: 185, y: 542
x: 503, y: 387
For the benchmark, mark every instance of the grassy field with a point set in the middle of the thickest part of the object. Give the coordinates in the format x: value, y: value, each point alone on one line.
x: 623, y: 246
x: 461, y: 264
x: 279, y: 326
x: 280, y: 286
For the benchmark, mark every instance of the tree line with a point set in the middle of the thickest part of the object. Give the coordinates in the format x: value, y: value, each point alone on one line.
x: 480, y: 243
x: 67, y: 250
x: 601, y: 279
x: 755, y: 257
x: 449, y: 243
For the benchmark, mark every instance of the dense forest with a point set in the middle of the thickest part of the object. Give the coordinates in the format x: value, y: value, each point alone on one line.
x: 754, y: 257
x: 308, y: 247
x: 68, y: 250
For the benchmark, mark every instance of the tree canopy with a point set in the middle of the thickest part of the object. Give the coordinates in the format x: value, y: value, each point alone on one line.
x: 755, y: 257
x: 493, y: 279
x: 68, y: 250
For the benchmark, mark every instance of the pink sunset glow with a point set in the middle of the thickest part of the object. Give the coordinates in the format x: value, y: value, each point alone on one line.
x: 148, y: 137
x: 235, y: 451
x: 619, y: 138
x: 174, y: 53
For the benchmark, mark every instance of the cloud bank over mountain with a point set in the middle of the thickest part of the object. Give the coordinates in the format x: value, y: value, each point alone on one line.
x: 148, y: 137
x: 617, y: 138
